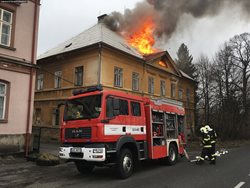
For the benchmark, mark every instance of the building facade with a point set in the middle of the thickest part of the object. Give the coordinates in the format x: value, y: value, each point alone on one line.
x: 110, y: 61
x: 18, y: 43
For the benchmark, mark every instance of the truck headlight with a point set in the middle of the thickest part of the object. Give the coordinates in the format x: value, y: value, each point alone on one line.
x: 98, y: 150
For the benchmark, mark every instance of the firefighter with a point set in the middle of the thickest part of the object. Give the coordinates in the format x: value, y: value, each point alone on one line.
x: 206, y: 142
x: 213, y: 137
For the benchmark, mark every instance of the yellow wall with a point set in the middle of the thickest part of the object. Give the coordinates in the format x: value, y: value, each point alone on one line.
x: 111, y: 59
x: 48, y: 98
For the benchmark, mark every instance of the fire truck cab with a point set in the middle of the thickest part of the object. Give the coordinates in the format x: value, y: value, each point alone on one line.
x: 106, y: 127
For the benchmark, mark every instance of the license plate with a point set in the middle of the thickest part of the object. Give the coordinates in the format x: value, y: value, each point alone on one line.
x: 76, y: 150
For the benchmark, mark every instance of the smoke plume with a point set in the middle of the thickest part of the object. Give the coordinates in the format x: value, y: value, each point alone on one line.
x: 167, y: 14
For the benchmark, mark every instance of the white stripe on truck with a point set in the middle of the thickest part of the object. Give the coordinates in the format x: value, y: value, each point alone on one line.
x: 118, y: 129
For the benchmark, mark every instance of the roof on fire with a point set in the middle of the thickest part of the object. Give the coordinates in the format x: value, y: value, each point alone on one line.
x: 94, y: 35
x: 100, y: 33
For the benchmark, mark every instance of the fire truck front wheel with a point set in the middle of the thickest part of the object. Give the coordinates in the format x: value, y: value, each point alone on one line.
x: 84, y: 167
x: 125, y: 164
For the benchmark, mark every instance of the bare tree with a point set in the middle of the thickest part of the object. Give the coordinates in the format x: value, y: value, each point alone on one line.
x: 204, y: 71
x: 224, y: 88
x: 225, y: 111
x: 240, y: 46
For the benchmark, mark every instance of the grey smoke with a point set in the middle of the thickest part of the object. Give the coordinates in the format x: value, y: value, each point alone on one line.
x: 167, y: 14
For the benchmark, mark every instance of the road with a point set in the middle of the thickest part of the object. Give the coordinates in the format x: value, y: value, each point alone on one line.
x: 231, y: 171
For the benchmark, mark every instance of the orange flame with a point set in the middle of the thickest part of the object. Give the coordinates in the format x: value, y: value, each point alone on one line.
x: 143, y: 39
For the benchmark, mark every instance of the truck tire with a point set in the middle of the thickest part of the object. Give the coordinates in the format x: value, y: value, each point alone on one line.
x: 172, y: 155
x: 125, y: 164
x: 84, y: 167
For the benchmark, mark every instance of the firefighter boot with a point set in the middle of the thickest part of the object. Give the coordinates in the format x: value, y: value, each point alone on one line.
x: 213, y: 161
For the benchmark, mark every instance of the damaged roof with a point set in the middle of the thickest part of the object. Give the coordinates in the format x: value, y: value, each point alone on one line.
x: 96, y: 34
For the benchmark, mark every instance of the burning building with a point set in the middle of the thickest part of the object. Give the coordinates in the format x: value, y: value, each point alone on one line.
x: 99, y: 55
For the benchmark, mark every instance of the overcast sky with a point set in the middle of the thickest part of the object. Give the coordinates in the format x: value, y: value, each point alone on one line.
x: 63, y: 19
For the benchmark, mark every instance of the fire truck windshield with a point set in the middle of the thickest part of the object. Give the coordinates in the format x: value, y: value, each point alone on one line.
x: 83, y: 108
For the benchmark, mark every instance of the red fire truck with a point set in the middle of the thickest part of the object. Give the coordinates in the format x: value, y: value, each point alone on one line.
x: 106, y: 127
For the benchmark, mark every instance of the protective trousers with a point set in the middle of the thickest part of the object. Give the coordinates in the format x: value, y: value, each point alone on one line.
x: 213, y: 155
x: 206, y: 151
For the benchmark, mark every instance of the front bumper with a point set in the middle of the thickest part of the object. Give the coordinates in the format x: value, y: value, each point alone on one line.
x: 82, y: 153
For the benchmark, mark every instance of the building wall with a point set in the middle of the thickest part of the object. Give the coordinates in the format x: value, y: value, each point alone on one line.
x: 23, y: 30
x: 17, y: 67
x: 48, y: 98
x: 111, y: 59
x: 18, y: 103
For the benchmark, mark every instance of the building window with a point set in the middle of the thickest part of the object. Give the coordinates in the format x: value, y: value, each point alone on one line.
x: 56, y: 117
x: 188, y: 96
x: 58, y: 79
x: 163, y: 88
x: 5, y: 27
x: 180, y: 94
x: 37, y: 116
x: 39, y: 83
x: 4, y: 94
x: 118, y: 73
x: 173, y: 90
x: 150, y: 85
x: 79, y: 76
x: 135, y: 81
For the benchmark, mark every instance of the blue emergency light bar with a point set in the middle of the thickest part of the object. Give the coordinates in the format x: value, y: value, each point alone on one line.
x: 87, y: 90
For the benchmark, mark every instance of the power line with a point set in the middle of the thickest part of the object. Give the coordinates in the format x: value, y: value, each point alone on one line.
x: 69, y: 81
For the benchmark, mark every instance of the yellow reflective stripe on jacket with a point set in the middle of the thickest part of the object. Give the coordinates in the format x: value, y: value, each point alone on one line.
x: 212, y: 141
x: 207, y: 146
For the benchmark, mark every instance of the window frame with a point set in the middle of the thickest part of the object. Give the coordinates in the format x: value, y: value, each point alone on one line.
x: 173, y: 90
x: 151, y: 85
x: 58, y: 79
x: 9, y: 24
x: 135, y: 81
x: 163, y: 87
x: 118, y: 77
x: 6, y: 95
x: 39, y: 82
x: 56, y: 117
x: 188, y: 95
x: 180, y: 93
x: 79, y: 75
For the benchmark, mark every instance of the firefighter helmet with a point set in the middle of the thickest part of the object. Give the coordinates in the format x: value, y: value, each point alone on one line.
x: 203, y: 130
x: 208, y: 128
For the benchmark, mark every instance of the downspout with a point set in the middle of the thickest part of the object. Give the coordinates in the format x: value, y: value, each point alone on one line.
x: 99, y: 64
x: 32, y: 73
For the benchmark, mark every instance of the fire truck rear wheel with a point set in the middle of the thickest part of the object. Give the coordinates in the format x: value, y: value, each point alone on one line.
x: 125, y: 164
x: 84, y: 167
x: 173, y: 155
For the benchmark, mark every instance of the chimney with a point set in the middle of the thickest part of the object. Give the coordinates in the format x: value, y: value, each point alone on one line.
x: 101, y: 18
